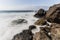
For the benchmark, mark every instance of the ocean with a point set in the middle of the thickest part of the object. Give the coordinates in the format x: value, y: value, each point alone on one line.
x: 7, y: 30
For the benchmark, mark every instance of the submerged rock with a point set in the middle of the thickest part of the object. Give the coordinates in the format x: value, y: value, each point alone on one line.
x: 53, y: 14
x: 25, y: 35
x: 40, y: 13
x: 19, y: 21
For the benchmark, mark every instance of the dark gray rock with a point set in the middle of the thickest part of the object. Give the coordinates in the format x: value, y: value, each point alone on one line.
x: 25, y: 35
x: 32, y: 27
x: 40, y: 13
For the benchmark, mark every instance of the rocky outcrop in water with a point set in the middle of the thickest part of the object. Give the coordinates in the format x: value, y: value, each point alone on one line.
x: 40, y: 13
x: 51, y: 32
x: 25, y: 35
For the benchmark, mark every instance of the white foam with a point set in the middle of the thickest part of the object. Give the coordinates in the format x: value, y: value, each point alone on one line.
x: 7, y: 31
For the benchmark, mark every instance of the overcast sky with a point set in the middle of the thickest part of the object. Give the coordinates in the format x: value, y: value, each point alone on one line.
x: 16, y: 4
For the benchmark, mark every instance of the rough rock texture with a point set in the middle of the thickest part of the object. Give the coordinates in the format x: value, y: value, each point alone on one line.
x: 19, y: 21
x: 51, y: 32
x: 43, y: 34
x: 55, y: 25
x: 40, y: 21
x: 25, y: 35
x: 36, y: 36
x: 40, y: 13
x: 55, y: 31
x: 53, y: 14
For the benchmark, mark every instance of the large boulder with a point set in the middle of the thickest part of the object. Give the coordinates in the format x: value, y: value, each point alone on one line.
x: 25, y: 35
x: 53, y: 14
x: 40, y: 13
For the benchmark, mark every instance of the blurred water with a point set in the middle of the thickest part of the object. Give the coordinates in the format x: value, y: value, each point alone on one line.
x: 7, y: 31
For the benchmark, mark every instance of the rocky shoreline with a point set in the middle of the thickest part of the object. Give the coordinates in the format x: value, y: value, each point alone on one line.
x: 50, y: 32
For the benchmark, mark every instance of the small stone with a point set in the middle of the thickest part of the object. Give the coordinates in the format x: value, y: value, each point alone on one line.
x: 32, y: 27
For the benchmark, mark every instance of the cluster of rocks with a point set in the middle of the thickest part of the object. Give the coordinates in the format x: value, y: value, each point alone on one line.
x: 49, y: 32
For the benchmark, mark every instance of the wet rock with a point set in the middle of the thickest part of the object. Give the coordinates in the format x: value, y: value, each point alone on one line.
x: 41, y: 21
x: 53, y: 14
x: 40, y: 13
x: 32, y: 27
x: 25, y: 35
x: 19, y: 21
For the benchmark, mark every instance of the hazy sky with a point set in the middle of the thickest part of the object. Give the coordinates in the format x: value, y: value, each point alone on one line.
x: 9, y: 4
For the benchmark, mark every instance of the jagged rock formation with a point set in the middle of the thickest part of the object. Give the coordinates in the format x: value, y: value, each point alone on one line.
x: 53, y: 14
x: 55, y: 31
x: 40, y: 13
x: 25, y: 34
x: 43, y: 34
x: 51, y: 32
